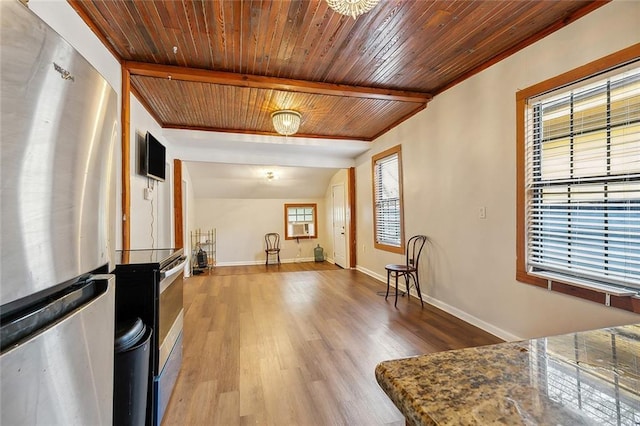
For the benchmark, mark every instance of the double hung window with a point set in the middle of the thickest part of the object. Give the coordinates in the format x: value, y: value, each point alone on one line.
x: 387, y: 200
x: 581, y: 183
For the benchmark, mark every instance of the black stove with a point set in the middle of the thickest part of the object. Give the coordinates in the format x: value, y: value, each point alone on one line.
x: 149, y: 286
x: 161, y: 258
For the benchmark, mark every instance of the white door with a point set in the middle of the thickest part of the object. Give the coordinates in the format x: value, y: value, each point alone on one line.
x: 339, y: 229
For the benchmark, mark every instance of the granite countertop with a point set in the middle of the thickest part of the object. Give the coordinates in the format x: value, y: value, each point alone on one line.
x: 590, y: 377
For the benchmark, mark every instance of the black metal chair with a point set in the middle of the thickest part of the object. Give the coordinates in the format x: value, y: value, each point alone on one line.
x: 410, y: 269
x: 272, y: 241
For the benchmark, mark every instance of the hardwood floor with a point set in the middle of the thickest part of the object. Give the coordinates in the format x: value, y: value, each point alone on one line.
x: 299, y: 347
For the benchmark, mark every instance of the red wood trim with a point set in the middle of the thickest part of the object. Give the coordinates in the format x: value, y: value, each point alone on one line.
x: 582, y: 293
x: 626, y: 303
x: 272, y: 83
x: 527, y: 42
x: 401, y: 185
x: 126, y: 159
x: 351, y: 185
x: 524, y: 277
x: 177, y: 203
x: 520, y: 191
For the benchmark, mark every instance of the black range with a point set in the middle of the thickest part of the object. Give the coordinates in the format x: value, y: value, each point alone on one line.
x: 149, y: 286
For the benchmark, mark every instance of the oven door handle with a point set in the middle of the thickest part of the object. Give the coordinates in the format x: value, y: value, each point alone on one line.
x: 170, y: 272
x: 167, y: 277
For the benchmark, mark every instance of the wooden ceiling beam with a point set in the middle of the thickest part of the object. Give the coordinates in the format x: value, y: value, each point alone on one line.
x: 274, y: 83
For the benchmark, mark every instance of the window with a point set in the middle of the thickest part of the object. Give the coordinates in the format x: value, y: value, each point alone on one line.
x: 300, y: 221
x: 387, y: 200
x: 579, y: 185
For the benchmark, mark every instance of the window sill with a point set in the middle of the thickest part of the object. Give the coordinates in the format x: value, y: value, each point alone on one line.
x: 618, y: 297
x: 392, y: 249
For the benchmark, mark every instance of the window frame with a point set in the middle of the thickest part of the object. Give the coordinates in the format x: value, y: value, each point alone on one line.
x: 629, y: 303
x: 289, y: 235
x: 396, y: 150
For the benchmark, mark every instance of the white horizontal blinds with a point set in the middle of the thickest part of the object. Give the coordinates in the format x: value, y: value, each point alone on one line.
x: 583, y: 180
x: 387, y: 200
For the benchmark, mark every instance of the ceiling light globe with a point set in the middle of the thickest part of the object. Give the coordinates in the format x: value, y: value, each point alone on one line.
x: 286, y: 122
x: 353, y: 8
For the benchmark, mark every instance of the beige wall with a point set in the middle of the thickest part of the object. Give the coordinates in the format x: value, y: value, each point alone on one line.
x: 241, y: 224
x: 459, y: 155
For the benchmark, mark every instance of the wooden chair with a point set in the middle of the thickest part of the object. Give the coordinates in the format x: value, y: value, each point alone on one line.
x: 272, y: 241
x: 410, y: 269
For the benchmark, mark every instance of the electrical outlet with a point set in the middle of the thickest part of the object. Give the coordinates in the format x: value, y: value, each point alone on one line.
x: 148, y: 194
x: 482, y: 212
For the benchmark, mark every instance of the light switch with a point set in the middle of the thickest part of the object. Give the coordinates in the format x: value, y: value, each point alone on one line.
x: 483, y: 212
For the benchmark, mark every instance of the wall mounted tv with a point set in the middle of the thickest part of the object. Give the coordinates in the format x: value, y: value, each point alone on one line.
x: 153, y: 158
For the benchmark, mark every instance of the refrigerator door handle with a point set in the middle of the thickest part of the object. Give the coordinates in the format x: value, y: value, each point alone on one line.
x: 62, y: 373
x: 50, y: 310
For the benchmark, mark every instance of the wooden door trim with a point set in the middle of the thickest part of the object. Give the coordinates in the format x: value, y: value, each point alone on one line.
x: 177, y: 203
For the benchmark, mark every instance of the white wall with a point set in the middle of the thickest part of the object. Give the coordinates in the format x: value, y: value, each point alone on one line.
x: 241, y: 224
x: 64, y: 20
x: 190, y: 217
x: 151, y: 220
x: 459, y: 155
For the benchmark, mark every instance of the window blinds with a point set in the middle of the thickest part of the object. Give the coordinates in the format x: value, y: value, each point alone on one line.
x: 387, y: 200
x: 583, y: 180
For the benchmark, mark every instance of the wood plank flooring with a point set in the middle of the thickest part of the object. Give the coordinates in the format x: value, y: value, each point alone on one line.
x: 297, y: 345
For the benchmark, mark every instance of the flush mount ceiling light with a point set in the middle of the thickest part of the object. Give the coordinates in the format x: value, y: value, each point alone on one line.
x: 286, y: 121
x: 271, y: 176
x: 352, y: 8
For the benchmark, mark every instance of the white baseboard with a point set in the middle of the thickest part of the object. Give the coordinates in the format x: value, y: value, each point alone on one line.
x: 489, y: 328
x: 241, y: 263
x: 464, y: 316
x: 299, y: 259
x: 371, y: 274
x: 261, y: 262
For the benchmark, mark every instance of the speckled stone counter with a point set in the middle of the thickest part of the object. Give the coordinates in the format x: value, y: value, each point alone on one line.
x: 581, y: 378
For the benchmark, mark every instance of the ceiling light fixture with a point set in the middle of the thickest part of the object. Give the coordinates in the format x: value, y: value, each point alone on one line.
x: 352, y: 8
x: 271, y: 176
x: 286, y: 121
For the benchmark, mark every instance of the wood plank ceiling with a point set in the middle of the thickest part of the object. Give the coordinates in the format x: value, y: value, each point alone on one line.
x: 227, y: 65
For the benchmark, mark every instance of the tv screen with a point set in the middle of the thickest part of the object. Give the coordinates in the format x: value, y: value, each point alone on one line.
x: 154, y: 158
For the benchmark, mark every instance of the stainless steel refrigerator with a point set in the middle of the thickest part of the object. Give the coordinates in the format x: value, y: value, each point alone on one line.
x: 58, y: 132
